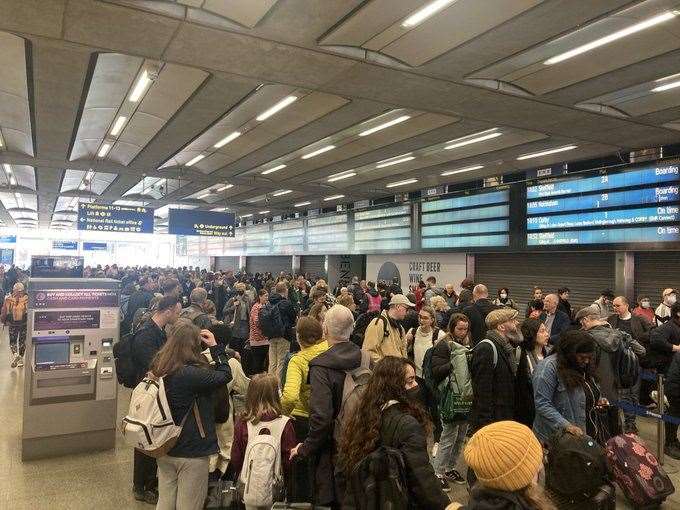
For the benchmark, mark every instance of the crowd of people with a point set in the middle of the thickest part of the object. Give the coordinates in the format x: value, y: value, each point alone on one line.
x: 366, y: 374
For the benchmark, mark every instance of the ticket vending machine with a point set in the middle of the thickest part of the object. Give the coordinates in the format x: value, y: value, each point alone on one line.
x: 70, y: 388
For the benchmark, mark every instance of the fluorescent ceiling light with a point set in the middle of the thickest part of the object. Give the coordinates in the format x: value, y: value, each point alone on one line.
x: 104, y: 150
x: 340, y: 177
x: 333, y: 197
x: 118, y: 125
x: 194, y: 160
x: 461, y: 170
x: 276, y: 108
x: 204, y: 195
x: 140, y: 87
x: 474, y: 138
x: 8, y: 168
x: 667, y: 86
x: 226, y: 186
x: 380, y: 127
x: 319, y: 151
x: 264, y: 212
x: 546, y: 152
x: 271, y: 170
x: 89, y: 175
x: 282, y: 192
x: 401, y: 183
x: 246, y: 215
x: 619, y: 34
x: 12, y: 181
x: 224, y: 141
x: 220, y: 209
x: 422, y: 14
x: 399, y: 159
x: 302, y: 204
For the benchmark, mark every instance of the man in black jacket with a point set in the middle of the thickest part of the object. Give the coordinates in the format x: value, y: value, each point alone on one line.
x: 556, y: 321
x: 280, y: 346
x: 478, y: 311
x: 139, y: 299
x: 672, y: 335
x: 146, y: 343
x: 664, y: 341
x: 327, y: 378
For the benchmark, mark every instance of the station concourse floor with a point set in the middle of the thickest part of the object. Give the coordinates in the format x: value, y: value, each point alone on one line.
x: 103, y: 480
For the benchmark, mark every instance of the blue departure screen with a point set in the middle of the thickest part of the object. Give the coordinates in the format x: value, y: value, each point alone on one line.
x: 637, y: 205
x: 474, y: 220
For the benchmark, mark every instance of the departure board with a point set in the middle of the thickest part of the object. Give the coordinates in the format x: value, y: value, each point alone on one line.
x: 327, y: 234
x: 288, y: 237
x: 384, y: 228
x: 475, y: 219
x: 622, y: 206
x: 258, y: 239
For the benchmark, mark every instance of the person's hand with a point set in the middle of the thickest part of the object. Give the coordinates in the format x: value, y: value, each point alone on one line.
x: 294, y: 451
x: 208, y: 338
x: 603, y: 402
x: 573, y: 430
x: 676, y: 348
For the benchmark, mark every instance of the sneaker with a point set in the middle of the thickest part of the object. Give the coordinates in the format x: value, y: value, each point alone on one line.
x: 151, y: 496
x: 15, y: 361
x: 443, y: 483
x: 454, y: 476
x: 672, y: 450
x: 20, y: 363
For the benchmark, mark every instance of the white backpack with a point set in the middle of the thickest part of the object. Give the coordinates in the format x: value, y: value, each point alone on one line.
x: 261, y: 479
x: 149, y: 426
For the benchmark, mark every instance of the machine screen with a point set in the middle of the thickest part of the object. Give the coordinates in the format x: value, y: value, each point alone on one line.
x: 52, y: 353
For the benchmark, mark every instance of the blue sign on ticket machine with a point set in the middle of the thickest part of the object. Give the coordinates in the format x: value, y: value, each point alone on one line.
x: 70, y: 387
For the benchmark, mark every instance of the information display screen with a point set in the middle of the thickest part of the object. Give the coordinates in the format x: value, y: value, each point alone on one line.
x: 115, y: 218
x: 623, y: 206
x: 192, y: 222
x: 471, y: 220
x: 385, y: 228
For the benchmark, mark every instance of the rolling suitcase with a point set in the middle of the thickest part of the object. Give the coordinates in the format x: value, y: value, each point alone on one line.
x: 637, y: 471
x: 222, y: 495
x: 603, y: 499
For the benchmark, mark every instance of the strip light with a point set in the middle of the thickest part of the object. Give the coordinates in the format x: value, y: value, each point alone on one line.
x: 302, y: 204
x: 340, y: 177
x: 194, y: 160
x: 104, y: 150
x: 385, y: 125
x: 246, y: 215
x: 474, y: 138
x: 667, y: 86
x: 461, y: 170
x: 282, y: 192
x: 229, y: 138
x: 8, y: 168
x: 204, y: 195
x: 20, y: 200
x: 319, y: 151
x: 546, y: 152
x: 226, y: 186
x: 422, y: 14
x: 140, y: 87
x: 619, y: 34
x: 401, y: 183
x: 118, y: 125
x: 272, y: 170
x: 387, y: 162
x: 276, y: 108
x: 264, y: 212
x: 333, y: 197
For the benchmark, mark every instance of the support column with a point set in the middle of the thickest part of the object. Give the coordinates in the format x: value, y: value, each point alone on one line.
x: 624, y: 274
x: 470, y: 266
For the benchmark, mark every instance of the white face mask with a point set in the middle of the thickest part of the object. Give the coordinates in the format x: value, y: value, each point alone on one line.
x: 670, y: 299
x: 645, y: 304
x: 503, y: 295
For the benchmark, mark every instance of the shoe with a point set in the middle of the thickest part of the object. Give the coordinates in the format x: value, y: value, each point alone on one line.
x: 20, y: 363
x: 443, y: 483
x: 672, y: 450
x: 151, y: 496
x: 138, y: 493
x: 454, y: 476
x: 15, y: 361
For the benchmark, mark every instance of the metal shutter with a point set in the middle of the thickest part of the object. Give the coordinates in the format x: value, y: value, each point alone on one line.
x: 655, y: 271
x: 226, y: 263
x: 273, y: 265
x: 585, y: 273
x: 314, y: 265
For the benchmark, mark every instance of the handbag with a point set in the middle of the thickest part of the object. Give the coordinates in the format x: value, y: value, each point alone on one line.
x: 452, y: 405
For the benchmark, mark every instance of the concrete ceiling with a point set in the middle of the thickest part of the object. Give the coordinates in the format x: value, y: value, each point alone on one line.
x: 72, y: 68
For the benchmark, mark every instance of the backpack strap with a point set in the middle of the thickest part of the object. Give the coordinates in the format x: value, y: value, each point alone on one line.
x: 435, y: 335
x: 493, y: 346
x: 199, y: 422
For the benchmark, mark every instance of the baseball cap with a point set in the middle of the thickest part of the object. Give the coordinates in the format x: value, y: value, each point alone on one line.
x: 400, y: 299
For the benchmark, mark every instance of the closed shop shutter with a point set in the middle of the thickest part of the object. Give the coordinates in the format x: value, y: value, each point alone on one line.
x: 313, y: 265
x: 585, y: 273
x: 273, y: 265
x: 226, y: 264
x: 655, y: 271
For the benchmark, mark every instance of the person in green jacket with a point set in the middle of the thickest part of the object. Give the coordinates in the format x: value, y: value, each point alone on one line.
x: 295, y: 400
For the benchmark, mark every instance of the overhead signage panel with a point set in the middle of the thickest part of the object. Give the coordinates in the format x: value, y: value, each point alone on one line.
x: 115, y: 218
x: 190, y: 222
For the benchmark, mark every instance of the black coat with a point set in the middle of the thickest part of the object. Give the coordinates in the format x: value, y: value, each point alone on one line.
x: 146, y: 343
x: 561, y: 323
x: 482, y: 498
x: 661, y: 342
x: 194, y: 383
x: 673, y: 378
x: 288, y: 314
x: 477, y: 313
x: 493, y: 389
x: 327, y: 378
x: 441, y: 360
x: 524, y: 392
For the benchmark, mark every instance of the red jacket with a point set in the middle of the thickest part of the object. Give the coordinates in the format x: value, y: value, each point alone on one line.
x: 238, y: 447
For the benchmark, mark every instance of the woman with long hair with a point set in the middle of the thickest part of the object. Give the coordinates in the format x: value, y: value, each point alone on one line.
x: 318, y: 312
x: 534, y: 349
x: 565, y: 388
x: 387, y: 416
x: 423, y: 337
x: 190, y: 382
x: 257, y: 346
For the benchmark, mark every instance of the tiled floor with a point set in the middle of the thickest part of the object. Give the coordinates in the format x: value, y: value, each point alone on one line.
x: 103, y: 480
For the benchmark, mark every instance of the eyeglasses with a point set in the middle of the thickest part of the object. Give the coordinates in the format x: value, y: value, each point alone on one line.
x: 424, y: 317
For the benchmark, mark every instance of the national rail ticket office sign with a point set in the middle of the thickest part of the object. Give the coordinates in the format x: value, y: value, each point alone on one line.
x: 190, y: 222
x: 115, y: 218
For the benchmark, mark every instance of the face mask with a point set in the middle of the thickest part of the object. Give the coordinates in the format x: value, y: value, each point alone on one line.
x: 671, y: 299
x: 645, y: 304
x: 504, y: 296
x: 413, y: 394
x: 241, y: 292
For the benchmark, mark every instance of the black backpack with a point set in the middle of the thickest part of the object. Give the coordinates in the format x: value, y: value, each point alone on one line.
x: 362, y: 323
x: 577, y: 465
x: 626, y: 363
x: 379, y: 480
x: 271, y: 322
x: 126, y: 370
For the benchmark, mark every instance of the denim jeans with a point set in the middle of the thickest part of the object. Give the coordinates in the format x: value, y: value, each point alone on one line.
x: 450, y: 444
x: 631, y: 395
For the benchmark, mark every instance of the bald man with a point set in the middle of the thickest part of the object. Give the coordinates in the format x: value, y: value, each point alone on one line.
x: 478, y: 311
x: 556, y: 321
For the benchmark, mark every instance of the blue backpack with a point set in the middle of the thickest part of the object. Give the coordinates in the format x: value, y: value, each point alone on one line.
x: 271, y: 322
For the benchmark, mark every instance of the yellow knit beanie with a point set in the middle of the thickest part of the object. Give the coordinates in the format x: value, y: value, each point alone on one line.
x: 504, y: 455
